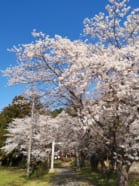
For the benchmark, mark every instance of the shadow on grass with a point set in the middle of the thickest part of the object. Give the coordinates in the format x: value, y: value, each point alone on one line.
x: 99, y: 180
x: 96, y: 178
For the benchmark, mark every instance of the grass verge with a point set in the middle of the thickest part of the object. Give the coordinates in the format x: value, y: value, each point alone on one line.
x: 16, y: 177
x: 98, y: 179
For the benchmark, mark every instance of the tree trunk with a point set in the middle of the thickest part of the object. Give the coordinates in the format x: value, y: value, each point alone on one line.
x: 94, y: 163
x: 77, y: 160
x: 82, y: 159
x: 122, y: 175
x: 30, y: 140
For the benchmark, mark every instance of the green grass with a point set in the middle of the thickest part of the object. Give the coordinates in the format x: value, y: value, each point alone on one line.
x: 99, y: 180
x: 134, y: 182
x: 57, y: 163
x: 16, y: 177
x: 96, y: 178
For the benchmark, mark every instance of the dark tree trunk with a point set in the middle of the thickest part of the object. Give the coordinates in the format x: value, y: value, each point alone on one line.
x: 94, y: 163
x: 122, y: 175
x: 82, y: 159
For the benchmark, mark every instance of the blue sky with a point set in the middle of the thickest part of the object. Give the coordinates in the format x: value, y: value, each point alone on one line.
x: 19, y: 17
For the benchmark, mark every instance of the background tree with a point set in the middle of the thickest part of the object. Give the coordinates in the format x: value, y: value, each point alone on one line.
x: 18, y: 138
x: 14, y: 110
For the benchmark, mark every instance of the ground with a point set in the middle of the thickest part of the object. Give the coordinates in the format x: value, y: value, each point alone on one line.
x: 69, y: 176
x: 64, y: 175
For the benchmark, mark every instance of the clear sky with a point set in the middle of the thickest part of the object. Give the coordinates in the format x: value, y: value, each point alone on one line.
x: 19, y: 17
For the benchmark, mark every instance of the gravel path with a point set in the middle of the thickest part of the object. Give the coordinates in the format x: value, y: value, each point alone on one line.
x: 67, y: 176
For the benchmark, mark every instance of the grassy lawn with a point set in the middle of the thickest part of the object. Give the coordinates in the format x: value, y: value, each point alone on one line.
x: 16, y: 177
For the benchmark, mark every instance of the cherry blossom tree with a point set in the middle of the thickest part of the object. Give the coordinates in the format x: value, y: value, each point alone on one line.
x: 119, y: 27
x: 118, y: 87
x: 18, y: 138
x: 71, y: 135
x: 64, y: 129
x: 43, y: 62
x: 99, y: 81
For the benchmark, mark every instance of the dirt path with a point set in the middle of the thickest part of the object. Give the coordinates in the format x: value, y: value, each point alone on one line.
x: 67, y: 176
